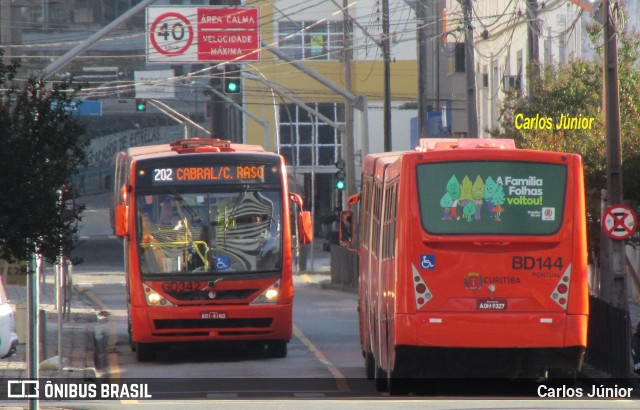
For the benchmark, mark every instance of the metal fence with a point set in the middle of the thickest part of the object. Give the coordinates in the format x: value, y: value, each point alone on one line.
x: 608, y: 340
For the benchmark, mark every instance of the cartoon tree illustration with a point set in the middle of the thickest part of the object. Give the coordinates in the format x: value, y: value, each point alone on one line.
x: 465, y: 191
x: 498, y: 200
x: 469, y: 211
x: 490, y: 188
x: 477, y: 192
x: 446, y: 202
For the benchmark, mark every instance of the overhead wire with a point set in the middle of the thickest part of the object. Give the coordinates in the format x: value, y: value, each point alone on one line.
x: 307, y: 5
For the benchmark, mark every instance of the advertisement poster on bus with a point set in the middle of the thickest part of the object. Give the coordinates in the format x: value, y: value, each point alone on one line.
x: 492, y: 197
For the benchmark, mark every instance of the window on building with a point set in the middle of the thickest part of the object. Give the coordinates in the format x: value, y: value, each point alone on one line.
x: 306, y: 40
x: 305, y: 140
x: 62, y: 14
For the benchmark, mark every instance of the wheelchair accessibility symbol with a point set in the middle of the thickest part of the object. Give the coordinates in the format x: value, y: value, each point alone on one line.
x: 427, y: 261
x: 222, y: 262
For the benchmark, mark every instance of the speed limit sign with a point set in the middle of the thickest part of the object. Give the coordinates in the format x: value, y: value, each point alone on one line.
x: 171, y: 34
x: 202, y: 34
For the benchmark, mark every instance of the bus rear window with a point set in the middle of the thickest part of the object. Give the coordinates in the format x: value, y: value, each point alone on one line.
x: 491, y: 197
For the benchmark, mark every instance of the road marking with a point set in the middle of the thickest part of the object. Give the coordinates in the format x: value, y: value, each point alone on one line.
x: 341, y: 381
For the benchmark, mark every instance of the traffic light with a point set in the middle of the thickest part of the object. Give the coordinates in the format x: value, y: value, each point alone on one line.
x: 141, y: 104
x: 232, y: 79
x: 340, y: 184
x: 216, y: 78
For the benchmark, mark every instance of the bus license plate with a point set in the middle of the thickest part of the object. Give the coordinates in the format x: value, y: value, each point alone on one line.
x: 213, y: 315
x: 492, y: 304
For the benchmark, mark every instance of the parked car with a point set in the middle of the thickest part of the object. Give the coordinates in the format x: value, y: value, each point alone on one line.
x: 8, y: 336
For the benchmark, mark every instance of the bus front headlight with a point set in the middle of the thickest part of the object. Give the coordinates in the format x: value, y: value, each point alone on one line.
x: 269, y: 296
x: 154, y: 298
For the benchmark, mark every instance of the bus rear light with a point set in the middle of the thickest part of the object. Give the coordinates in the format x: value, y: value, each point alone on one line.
x: 153, y: 298
x: 269, y: 296
x: 560, y: 293
x: 420, y: 289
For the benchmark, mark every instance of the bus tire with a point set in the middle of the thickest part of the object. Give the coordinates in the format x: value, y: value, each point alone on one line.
x: 278, y: 348
x: 132, y: 345
x: 397, y: 385
x: 145, y: 352
x: 369, y: 365
x: 380, y: 378
x: 562, y: 377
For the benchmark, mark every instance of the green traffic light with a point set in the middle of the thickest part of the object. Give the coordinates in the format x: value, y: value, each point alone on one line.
x: 141, y: 104
x: 232, y: 87
x: 340, y: 185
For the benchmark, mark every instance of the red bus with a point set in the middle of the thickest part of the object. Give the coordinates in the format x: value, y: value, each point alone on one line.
x: 208, y: 244
x: 472, y: 261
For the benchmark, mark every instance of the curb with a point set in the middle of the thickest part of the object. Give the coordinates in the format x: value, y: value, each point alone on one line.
x: 99, y: 343
x: 328, y: 285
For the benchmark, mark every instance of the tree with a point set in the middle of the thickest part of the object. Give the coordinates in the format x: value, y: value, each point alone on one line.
x: 576, y: 90
x: 42, y: 147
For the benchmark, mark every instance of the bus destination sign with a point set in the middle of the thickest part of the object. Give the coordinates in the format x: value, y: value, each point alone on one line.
x: 205, y: 174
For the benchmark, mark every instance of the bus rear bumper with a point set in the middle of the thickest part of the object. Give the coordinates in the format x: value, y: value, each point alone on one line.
x: 528, y: 340
x: 490, y: 330
x: 450, y: 362
x: 208, y: 323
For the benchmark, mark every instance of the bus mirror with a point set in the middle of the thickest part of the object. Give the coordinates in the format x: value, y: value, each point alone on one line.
x: 305, y: 227
x: 121, y: 220
x: 346, y: 227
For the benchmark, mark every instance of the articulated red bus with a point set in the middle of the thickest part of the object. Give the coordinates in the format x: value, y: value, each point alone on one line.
x: 207, y: 239
x: 472, y: 261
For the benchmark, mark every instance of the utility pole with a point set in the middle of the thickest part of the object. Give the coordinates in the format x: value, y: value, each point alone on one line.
x: 347, y: 135
x: 33, y: 331
x: 613, y: 282
x: 421, y: 16
x: 386, y: 51
x: 436, y: 49
x: 472, y: 113
x: 533, y: 44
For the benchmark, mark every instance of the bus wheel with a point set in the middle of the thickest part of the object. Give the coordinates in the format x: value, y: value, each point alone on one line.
x: 562, y: 377
x: 398, y: 385
x: 381, y: 378
x: 369, y: 365
x: 145, y: 352
x: 278, y: 348
x: 132, y: 345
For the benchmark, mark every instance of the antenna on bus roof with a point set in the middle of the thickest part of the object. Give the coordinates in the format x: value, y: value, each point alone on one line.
x: 183, y: 146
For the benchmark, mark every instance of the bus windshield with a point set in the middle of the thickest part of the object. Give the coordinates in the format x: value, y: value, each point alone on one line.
x: 491, y: 197
x: 209, y: 232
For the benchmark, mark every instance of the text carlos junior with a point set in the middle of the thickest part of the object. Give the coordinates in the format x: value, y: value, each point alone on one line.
x: 593, y: 391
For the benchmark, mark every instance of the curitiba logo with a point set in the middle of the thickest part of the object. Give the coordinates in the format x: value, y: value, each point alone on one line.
x: 473, y: 281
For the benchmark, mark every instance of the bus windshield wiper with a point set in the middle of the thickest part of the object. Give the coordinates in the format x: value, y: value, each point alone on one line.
x: 241, y: 195
x: 193, y: 214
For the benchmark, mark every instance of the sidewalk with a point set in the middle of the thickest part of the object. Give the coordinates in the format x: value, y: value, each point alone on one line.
x: 318, y: 266
x: 77, y: 342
